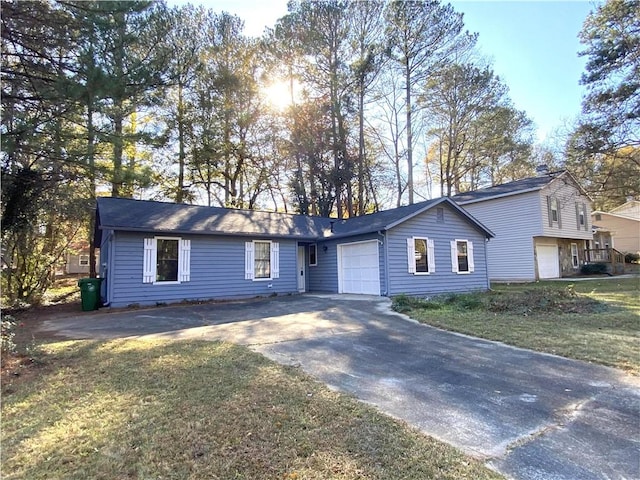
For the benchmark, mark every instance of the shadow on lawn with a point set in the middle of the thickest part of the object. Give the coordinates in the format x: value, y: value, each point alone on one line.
x: 126, y: 408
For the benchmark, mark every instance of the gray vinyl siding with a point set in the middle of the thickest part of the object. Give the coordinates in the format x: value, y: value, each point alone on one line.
x: 323, y: 278
x: 514, y: 220
x: 217, y: 271
x: 568, y: 195
x: 443, y: 280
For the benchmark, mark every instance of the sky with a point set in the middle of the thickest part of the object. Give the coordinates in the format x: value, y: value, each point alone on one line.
x: 533, y: 47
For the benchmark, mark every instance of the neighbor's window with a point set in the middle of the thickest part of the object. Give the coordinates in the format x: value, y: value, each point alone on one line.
x: 581, y: 215
x: 462, y: 256
x: 83, y: 260
x: 262, y: 260
x: 598, y: 217
x: 167, y: 260
x: 575, y: 260
x: 554, y: 209
x: 313, y: 255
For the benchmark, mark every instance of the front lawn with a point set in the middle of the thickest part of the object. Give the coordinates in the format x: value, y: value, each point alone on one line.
x: 593, y: 320
x: 193, y: 410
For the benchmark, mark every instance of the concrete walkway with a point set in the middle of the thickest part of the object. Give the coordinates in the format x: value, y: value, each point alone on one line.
x: 527, y: 415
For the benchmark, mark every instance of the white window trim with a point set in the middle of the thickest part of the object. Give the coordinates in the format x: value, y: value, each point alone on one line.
x: 80, y: 260
x: 575, y: 265
x: 554, y: 200
x: 150, y: 261
x: 455, y: 267
x: 274, y: 259
x: 315, y: 247
x: 411, y: 256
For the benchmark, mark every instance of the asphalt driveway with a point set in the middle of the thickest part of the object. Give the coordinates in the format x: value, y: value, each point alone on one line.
x: 528, y: 415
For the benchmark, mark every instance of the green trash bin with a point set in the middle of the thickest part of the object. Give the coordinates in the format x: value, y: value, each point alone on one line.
x: 90, y: 293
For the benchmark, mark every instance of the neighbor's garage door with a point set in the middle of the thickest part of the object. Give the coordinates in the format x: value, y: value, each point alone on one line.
x: 548, y: 261
x: 358, y: 268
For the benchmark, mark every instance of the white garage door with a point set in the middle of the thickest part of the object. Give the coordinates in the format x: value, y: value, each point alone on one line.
x: 358, y: 270
x: 548, y: 261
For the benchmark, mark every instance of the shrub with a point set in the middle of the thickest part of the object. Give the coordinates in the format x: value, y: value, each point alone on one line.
x: 466, y: 301
x: 593, y: 268
x: 7, y: 334
x: 404, y: 303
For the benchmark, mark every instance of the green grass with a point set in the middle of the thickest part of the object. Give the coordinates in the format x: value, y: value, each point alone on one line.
x: 593, y: 320
x: 191, y: 410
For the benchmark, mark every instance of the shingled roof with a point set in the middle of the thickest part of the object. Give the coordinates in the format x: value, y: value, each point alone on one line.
x: 511, y: 188
x: 149, y: 216
x: 387, y: 219
x: 161, y: 217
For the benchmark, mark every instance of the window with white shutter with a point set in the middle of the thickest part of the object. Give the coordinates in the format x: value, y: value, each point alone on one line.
x: 462, y: 256
x: 420, y: 256
x: 166, y: 260
x: 262, y: 260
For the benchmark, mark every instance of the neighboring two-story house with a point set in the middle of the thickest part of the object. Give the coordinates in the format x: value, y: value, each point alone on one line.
x: 541, y: 226
x: 621, y: 226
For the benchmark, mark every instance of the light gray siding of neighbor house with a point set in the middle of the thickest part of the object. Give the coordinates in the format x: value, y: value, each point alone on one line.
x: 217, y: 271
x: 515, y: 220
x: 323, y: 278
x: 443, y: 280
x: 73, y: 266
x: 570, y: 200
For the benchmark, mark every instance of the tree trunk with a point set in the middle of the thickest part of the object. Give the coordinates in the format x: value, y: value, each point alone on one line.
x: 181, y: 154
x: 92, y: 183
x: 409, y: 135
x: 361, y: 152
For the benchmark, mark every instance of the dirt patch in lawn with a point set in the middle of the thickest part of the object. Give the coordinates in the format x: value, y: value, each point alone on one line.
x: 592, y: 320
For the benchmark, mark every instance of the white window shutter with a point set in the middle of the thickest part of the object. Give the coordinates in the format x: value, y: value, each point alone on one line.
x: 549, y: 211
x: 149, y: 261
x: 248, y: 261
x: 411, y: 255
x: 184, y: 261
x: 578, y: 215
x: 275, y: 260
x: 470, y: 256
x: 431, y: 255
x: 586, y: 219
x: 454, y: 256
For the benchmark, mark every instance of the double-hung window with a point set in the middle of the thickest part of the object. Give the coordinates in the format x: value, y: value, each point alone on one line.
x: 262, y: 260
x: 581, y: 216
x: 420, y: 256
x: 83, y: 260
x: 166, y: 260
x: 575, y: 258
x: 462, y: 256
x: 553, y: 210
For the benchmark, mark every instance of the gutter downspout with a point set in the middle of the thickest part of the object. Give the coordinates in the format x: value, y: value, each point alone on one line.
x: 386, y: 262
x: 486, y: 261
